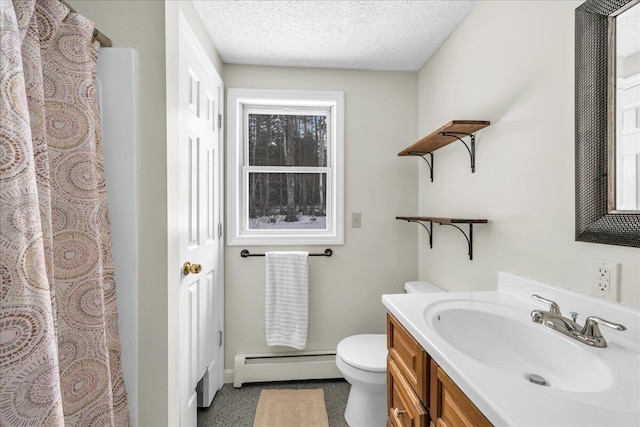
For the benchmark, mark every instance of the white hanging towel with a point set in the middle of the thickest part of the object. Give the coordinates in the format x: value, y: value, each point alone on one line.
x: 286, y: 305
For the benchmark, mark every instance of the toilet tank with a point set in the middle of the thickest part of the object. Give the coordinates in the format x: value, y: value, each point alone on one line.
x: 421, y: 287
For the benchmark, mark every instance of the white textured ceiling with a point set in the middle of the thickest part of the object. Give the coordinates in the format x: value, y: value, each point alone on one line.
x: 628, y: 31
x: 368, y: 35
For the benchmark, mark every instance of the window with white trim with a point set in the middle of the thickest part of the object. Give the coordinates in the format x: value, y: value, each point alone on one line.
x: 284, y: 167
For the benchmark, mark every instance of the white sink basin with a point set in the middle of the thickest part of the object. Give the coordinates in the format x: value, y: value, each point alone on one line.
x: 487, y: 344
x: 494, y: 335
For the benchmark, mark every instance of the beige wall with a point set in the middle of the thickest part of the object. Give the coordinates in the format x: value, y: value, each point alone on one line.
x: 629, y: 65
x: 511, y: 62
x: 346, y: 289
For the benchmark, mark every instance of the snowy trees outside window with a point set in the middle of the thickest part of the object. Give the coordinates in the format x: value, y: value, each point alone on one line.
x: 284, y: 167
x: 290, y: 200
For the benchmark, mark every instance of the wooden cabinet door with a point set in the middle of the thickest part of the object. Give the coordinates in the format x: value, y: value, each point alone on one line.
x: 410, y: 358
x: 405, y: 409
x: 450, y: 407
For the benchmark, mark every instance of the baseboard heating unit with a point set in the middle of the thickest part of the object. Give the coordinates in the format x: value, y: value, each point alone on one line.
x: 301, y: 365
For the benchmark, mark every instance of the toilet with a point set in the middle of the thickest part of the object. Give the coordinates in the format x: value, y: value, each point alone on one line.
x: 362, y: 359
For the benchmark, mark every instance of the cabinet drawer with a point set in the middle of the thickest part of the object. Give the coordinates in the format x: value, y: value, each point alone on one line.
x: 410, y: 358
x: 450, y: 407
x: 405, y: 410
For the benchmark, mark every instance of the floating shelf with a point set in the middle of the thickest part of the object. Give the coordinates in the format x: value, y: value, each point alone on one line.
x: 452, y: 131
x: 446, y: 221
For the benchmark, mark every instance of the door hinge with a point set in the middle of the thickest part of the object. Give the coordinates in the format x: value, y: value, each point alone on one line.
x: 219, y: 338
x: 219, y: 230
x: 219, y: 121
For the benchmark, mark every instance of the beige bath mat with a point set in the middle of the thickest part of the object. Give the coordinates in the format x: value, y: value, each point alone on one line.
x: 291, y: 408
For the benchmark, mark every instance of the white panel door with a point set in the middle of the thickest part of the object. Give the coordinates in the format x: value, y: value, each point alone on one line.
x: 201, y: 243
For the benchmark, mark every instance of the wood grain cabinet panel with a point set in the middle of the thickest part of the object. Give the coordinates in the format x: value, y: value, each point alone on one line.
x: 410, y: 358
x: 405, y: 409
x: 419, y: 392
x: 450, y: 406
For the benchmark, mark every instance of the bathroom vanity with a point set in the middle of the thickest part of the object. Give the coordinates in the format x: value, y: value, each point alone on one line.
x: 486, y: 358
x: 419, y: 392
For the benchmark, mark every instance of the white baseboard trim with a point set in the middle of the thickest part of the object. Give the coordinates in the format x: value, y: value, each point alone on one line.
x: 266, y: 367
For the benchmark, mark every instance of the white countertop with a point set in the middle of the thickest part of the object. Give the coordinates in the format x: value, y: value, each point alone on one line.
x: 510, y: 400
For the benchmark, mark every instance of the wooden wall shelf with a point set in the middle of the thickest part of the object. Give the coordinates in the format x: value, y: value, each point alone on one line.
x: 452, y: 131
x: 445, y: 221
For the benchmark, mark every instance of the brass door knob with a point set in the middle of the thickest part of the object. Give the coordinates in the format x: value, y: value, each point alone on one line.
x: 188, y: 268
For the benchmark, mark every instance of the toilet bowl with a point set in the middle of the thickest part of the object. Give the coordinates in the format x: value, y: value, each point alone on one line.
x: 362, y: 359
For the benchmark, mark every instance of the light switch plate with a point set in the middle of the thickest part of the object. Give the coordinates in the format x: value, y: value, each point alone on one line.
x: 356, y: 220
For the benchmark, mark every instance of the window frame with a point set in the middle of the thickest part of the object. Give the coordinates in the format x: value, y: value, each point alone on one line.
x: 240, y: 103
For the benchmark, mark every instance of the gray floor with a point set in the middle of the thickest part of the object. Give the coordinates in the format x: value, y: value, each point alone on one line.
x: 233, y: 407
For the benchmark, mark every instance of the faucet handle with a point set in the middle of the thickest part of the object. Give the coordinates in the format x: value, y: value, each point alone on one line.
x: 591, y: 329
x: 553, y: 307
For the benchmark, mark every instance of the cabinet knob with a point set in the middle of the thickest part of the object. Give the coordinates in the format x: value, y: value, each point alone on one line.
x: 398, y: 412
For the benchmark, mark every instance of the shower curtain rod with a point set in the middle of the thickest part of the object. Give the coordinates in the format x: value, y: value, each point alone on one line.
x: 97, y: 35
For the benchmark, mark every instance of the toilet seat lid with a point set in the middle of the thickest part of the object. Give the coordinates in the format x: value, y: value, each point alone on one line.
x: 367, y: 351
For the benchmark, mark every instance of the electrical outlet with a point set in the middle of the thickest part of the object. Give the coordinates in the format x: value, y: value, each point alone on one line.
x: 605, y: 279
x: 356, y: 220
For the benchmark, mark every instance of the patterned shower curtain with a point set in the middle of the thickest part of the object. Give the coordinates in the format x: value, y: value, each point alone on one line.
x: 59, y: 344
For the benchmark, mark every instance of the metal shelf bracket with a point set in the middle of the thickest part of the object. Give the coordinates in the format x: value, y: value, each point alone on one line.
x: 468, y: 237
x: 429, y: 230
x: 471, y: 150
x: 429, y: 163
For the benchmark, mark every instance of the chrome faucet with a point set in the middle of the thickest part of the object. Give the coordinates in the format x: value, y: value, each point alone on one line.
x: 588, y: 334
